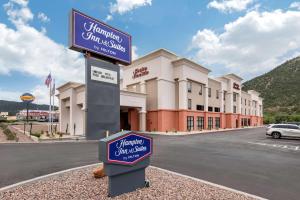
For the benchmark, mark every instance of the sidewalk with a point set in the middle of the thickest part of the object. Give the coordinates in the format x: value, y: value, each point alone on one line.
x: 172, y: 133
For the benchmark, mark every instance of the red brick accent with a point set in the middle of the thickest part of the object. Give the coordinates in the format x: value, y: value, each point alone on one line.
x: 176, y: 120
x: 133, y: 119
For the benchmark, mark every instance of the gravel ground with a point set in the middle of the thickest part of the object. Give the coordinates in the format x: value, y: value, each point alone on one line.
x: 36, y: 128
x: 2, y: 136
x: 21, y: 136
x: 80, y: 184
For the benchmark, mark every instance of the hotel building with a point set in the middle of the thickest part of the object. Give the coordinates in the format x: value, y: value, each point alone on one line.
x: 163, y: 92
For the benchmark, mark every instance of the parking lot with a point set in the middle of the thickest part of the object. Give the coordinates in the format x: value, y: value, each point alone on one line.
x: 245, y: 160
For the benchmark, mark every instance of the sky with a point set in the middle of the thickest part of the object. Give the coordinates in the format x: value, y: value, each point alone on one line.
x: 246, y: 37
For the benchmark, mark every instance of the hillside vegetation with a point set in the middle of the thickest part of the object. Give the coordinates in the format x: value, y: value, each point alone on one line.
x: 12, y: 107
x: 280, y: 88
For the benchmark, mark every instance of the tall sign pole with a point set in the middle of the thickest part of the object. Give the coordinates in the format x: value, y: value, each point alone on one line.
x: 104, y: 48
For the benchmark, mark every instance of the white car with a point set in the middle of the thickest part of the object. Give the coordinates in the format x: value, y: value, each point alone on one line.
x: 283, y: 130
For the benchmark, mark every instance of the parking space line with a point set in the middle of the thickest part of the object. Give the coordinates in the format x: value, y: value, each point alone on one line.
x: 280, y: 146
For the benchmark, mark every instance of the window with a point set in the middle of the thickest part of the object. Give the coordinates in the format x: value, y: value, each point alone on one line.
x: 210, y: 123
x: 218, y: 122
x: 217, y: 109
x: 200, y: 123
x: 241, y: 101
x: 293, y: 127
x: 189, y: 86
x: 190, y: 123
x: 210, y: 109
x: 209, y: 92
x: 200, y: 91
x: 189, y: 104
x: 245, y: 102
x: 234, y: 97
x: 285, y: 126
x: 200, y: 107
x: 234, y: 109
x: 217, y: 94
x: 245, y: 122
x: 245, y: 111
x: 224, y: 96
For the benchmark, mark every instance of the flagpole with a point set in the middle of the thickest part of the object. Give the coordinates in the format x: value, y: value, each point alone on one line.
x: 52, y: 114
x: 49, y: 115
x: 50, y: 128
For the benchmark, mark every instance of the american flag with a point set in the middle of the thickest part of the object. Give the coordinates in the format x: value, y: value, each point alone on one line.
x: 48, y: 80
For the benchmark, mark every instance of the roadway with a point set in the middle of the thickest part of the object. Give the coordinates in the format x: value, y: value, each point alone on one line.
x: 245, y: 160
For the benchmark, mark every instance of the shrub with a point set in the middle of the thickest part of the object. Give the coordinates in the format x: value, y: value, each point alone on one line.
x: 60, y: 134
x: 3, y: 119
x: 3, y: 126
x: 10, y: 135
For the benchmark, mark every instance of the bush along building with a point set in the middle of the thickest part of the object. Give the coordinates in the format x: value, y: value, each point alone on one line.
x: 163, y: 92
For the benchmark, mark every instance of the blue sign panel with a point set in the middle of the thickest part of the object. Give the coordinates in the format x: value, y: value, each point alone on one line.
x: 129, y: 149
x: 89, y: 34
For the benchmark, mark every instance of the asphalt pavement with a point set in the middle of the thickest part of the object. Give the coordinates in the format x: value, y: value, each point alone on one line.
x: 245, y: 160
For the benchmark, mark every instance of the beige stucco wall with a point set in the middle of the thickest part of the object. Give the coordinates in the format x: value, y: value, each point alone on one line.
x: 72, y: 106
x: 151, y: 91
x: 246, y: 97
x: 194, y: 95
x: 215, y: 87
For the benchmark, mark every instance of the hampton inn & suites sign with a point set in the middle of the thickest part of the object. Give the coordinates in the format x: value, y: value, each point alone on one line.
x: 89, y: 34
x: 125, y: 156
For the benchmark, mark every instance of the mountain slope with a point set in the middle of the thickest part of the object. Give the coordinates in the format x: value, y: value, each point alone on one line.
x: 280, y: 88
x: 13, y: 107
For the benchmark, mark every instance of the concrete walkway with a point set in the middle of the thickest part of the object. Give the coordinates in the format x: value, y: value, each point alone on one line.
x: 178, y: 133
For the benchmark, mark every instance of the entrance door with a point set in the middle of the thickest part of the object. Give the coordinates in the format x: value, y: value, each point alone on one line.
x: 124, y: 121
x: 237, y: 123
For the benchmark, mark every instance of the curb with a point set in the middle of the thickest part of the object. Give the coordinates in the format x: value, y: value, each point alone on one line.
x: 51, y: 142
x: 44, y: 176
x: 210, y: 183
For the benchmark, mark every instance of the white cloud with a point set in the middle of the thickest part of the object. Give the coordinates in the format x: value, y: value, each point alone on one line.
x: 18, y: 12
x: 252, y: 44
x: 134, y: 52
x: 295, y: 5
x: 28, y: 50
x: 108, y: 18
x: 9, y: 95
x: 41, y: 95
x: 20, y: 2
x: 123, y: 6
x: 43, y: 17
x: 229, y: 5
